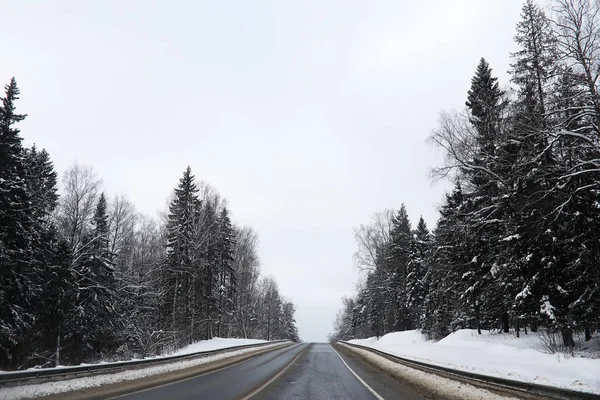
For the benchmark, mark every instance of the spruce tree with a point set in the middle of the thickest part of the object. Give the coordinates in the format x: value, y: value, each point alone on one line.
x: 96, y: 311
x: 417, y: 278
x: 41, y: 183
x: 16, y: 281
x: 177, y: 303
x: 578, y: 34
x: 227, y: 278
x: 535, y: 63
x: 209, y: 272
x: 375, y: 304
x: 543, y: 268
x: 104, y: 268
x: 360, y: 315
x: 57, y: 307
x: 397, y: 260
x: 289, y: 328
x: 51, y: 275
x: 485, y: 184
x: 484, y: 100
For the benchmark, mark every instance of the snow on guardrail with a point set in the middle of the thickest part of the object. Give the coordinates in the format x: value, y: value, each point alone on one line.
x: 65, y: 372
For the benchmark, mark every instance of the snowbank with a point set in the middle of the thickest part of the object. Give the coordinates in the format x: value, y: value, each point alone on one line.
x: 215, y: 344
x: 430, y: 385
x: 54, y: 388
x: 405, y: 338
x: 497, y: 354
x: 203, y: 345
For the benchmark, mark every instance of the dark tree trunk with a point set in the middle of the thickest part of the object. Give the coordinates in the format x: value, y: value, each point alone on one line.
x: 533, y: 327
x: 57, y: 353
x: 567, y: 335
x: 506, y: 323
x: 477, y: 315
x: 588, y: 334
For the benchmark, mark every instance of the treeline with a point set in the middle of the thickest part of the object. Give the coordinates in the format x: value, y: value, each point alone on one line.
x: 517, y: 245
x: 83, y: 278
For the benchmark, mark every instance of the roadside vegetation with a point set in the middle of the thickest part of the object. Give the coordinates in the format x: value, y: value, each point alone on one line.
x: 85, y: 278
x: 517, y: 244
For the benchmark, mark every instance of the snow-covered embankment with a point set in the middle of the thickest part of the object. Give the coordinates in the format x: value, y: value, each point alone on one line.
x: 501, y: 355
x: 100, y: 380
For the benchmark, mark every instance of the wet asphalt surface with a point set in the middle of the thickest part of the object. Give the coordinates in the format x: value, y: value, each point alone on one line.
x: 317, y: 373
x: 231, y: 382
x: 320, y: 374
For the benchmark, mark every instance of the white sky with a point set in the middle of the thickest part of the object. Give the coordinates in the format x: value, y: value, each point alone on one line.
x: 308, y: 116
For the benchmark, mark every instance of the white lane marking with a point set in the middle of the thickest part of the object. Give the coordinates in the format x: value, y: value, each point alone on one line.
x: 377, y: 396
x: 255, y: 391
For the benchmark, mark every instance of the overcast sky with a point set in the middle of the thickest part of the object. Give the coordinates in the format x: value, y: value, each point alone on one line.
x: 308, y: 116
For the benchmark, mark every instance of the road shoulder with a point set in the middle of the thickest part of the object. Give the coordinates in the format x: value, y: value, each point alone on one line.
x: 385, y: 384
x: 429, y: 386
x: 123, y: 387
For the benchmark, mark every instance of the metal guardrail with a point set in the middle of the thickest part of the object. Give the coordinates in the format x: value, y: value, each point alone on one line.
x: 46, y: 374
x: 514, y: 387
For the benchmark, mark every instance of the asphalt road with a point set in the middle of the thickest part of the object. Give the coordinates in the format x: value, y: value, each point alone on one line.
x: 300, y: 371
x: 320, y: 373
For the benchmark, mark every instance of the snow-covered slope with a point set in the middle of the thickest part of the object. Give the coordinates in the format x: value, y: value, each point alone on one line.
x: 56, y: 388
x: 203, y: 345
x: 215, y: 344
x: 498, y: 354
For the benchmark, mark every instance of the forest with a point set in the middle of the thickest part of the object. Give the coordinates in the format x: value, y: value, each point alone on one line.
x: 517, y: 243
x: 85, y: 278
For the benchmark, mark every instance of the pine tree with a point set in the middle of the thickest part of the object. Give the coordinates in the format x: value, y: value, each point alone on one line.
x: 289, y: 328
x: 16, y: 316
x: 41, y: 183
x: 397, y: 262
x: 183, y: 258
x: 246, y: 265
x: 51, y: 275
x: 375, y: 301
x: 540, y: 219
x: 417, y: 278
x: 578, y: 32
x: 56, y: 306
x: 484, y: 101
x: 271, y: 310
x: 485, y: 188
x: 227, y: 278
x: 99, y: 241
x: 535, y: 65
x: 360, y: 315
x: 97, y: 315
x: 209, y: 273
x: 453, y: 302
x: 143, y: 253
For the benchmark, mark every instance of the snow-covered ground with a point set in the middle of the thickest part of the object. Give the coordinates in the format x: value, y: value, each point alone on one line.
x: 430, y: 385
x: 498, y: 354
x: 215, y: 344
x: 203, y: 345
x: 50, y: 388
